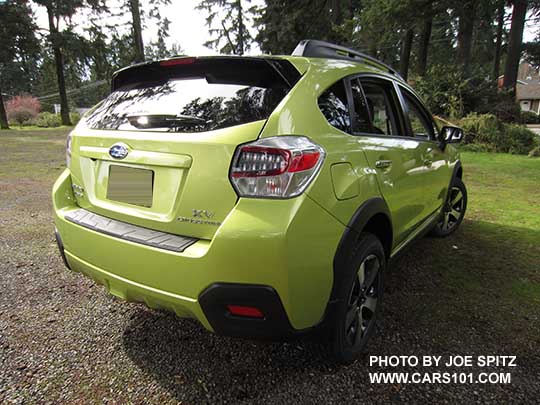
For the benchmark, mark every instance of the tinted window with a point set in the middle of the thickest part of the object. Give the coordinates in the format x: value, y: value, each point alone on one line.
x: 333, y: 105
x: 204, y: 95
x: 362, y: 120
x: 380, y: 102
x: 421, y: 126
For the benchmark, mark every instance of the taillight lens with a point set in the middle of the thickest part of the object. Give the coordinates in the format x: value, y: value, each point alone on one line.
x: 68, y: 150
x: 278, y: 167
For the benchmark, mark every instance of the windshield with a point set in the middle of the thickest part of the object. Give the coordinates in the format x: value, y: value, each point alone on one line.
x: 202, y: 100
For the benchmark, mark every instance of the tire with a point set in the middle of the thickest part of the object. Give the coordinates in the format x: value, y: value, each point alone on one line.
x: 453, y: 210
x: 359, y: 296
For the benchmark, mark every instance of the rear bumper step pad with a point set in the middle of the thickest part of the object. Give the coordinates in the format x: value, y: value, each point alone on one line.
x: 132, y: 233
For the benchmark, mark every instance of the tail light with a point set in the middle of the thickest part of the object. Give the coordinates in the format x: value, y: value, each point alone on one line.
x: 278, y: 167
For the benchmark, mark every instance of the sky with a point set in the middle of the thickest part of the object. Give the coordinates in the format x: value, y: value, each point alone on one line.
x: 188, y: 26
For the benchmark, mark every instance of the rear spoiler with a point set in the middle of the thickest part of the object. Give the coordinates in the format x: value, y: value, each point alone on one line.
x: 217, y: 69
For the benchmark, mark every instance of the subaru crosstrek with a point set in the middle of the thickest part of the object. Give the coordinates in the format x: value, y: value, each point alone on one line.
x: 263, y: 196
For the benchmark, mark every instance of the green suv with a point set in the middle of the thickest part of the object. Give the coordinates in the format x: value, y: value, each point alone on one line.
x: 262, y: 196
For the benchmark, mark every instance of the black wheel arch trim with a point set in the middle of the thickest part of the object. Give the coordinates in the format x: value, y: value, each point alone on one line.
x: 349, y: 239
x: 457, y: 168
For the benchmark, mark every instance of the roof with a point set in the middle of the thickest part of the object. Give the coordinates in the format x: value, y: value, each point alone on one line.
x: 528, y: 89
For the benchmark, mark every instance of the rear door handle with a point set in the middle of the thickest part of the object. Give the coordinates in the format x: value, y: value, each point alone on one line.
x: 383, y: 164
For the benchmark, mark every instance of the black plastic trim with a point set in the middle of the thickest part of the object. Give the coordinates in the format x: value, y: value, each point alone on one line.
x: 61, y: 248
x: 275, y: 325
x: 349, y: 240
x: 454, y: 175
x: 320, y: 49
x: 130, y: 232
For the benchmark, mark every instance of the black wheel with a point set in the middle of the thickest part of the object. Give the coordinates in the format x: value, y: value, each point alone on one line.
x: 360, y: 294
x: 453, y: 210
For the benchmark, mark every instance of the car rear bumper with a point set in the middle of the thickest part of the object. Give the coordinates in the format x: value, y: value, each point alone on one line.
x: 279, y: 251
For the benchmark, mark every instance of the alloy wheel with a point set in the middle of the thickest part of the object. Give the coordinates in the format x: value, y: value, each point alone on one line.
x: 453, y: 210
x: 363, y: 301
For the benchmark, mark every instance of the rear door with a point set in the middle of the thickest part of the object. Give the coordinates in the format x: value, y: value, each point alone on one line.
x: 394, y: 155
x: 157, y: 151
x: 435, y: 164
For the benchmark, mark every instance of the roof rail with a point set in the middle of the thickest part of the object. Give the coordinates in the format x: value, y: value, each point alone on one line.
x: 321, y: 49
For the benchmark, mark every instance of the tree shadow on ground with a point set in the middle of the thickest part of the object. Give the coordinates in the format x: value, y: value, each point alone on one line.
x: 444, y: 296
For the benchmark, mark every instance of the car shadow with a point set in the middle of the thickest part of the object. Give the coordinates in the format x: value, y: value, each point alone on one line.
x: 427, y: 310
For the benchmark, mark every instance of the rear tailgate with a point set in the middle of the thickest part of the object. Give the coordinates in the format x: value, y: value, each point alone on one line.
x: 157, y: 152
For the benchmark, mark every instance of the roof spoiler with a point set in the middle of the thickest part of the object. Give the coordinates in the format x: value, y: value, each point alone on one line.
x: 312, y: 48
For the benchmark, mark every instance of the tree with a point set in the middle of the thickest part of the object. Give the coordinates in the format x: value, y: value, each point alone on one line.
x: 382, y: 20
x: 281, y: 24
x: 232, y: 31
x: 134, y: 7
x: 466, y: 13
x: 498, y: 40
x: 519, y: 12
x: 532, y: 52
x: 19, y: 45
x: 405, y: 55
x: 425, y: 36
x: 59, y: 11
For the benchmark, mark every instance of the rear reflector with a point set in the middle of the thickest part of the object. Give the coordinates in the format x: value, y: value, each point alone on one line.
x: 175, y: 62
x: 249, y: 312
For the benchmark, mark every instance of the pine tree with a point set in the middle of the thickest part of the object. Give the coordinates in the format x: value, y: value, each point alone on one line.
x: 231, y: 35
x: 19, y: 49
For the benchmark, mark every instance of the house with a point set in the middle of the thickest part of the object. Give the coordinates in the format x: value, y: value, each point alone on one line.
x: 528, y: 88
x: 528, y: 94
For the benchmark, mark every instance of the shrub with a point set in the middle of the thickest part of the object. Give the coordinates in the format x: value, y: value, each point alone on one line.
x: 529, y: 117
x: 478, y: 147
x: 20, y: 115
x: 505, y: 108
x: 518, y: 139
x: 490, y: 134
x: 480, y: 128
x: 22, y: 108
x: 47, y: 120
x: 535, y: 152
x: 74, y: 117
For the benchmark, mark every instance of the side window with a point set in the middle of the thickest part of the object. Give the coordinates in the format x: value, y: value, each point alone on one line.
x: 362, y: 119
x: 381, y: 104
x: 333, y: 104
x: 421, y: 125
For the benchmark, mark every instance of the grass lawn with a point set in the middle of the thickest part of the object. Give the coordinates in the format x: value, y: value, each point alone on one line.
x: 503, y: 220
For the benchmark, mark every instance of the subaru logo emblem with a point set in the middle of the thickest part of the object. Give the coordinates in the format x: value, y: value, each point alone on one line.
x: 119, y: 151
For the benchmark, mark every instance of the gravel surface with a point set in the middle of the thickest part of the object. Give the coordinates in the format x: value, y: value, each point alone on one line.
x: 64, y: 340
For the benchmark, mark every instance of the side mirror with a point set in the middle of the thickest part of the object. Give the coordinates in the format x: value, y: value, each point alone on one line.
x: 450, y: 134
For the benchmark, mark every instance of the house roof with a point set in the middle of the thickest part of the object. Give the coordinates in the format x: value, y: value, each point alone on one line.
x: 528, y: 89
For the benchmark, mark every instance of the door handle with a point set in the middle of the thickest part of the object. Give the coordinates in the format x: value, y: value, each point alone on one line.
x: 383, y: 164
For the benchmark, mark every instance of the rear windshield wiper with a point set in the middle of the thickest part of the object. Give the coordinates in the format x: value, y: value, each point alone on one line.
x: 164, y: 120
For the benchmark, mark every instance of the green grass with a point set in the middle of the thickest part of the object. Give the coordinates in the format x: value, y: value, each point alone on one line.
x: 495, y: 257
x: 505, y: 189
x: 33, y: 128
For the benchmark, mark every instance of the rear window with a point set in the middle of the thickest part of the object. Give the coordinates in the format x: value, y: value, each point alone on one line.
x: 201, y: 95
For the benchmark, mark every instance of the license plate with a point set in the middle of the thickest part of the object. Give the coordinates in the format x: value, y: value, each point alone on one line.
x: 130, y: 185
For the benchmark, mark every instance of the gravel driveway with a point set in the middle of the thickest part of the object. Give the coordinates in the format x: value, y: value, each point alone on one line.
x: 64, y: 340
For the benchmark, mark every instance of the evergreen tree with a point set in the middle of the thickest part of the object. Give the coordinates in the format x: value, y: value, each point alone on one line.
x: 231, y: 35
x: 18, y: 53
